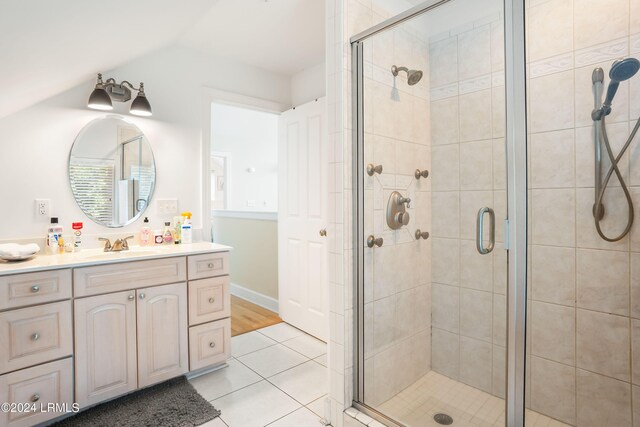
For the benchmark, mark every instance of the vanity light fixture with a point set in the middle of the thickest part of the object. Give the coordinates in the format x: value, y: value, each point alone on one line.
x: 110, y: 90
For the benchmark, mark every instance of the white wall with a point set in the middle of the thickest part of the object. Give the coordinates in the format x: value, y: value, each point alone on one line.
x: 35, y: 142
x: 250, y: 139
x: 308, y: 84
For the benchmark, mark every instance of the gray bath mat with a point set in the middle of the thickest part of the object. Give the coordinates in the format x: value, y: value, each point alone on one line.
x: 174, y: 403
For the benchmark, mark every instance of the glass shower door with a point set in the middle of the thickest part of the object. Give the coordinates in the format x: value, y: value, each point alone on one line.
x: 431, y: 123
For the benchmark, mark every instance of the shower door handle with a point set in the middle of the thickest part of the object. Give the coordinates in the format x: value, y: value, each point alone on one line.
x: 480, y: 231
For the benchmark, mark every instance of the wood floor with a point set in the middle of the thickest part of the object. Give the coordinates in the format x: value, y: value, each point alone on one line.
x: 247, y: 317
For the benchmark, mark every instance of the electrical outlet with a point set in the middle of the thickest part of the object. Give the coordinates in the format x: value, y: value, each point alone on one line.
x: 167, y: 206
x: 43, y: 208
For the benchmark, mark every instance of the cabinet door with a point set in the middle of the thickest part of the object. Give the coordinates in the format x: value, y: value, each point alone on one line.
x: 105, y: 337
x: 162, y: 333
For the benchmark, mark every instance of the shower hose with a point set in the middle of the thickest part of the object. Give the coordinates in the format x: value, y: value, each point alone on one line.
x: 614, y: 169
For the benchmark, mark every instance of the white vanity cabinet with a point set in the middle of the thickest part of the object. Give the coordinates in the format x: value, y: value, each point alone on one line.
x: 97, y: 332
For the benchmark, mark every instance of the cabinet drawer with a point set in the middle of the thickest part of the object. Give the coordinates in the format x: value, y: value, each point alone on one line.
x: 34, y: 288
x: 43, y: 384
x: 33, y: 335
x: 103, y: 279
x: 209, y: 344
x: 208, y: 265
x: 209, y: 300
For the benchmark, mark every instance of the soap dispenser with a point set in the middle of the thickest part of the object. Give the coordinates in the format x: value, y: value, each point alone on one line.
x: 146, y: 235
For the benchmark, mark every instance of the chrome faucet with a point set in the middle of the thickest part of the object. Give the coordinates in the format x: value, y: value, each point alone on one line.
x: 118, y: 246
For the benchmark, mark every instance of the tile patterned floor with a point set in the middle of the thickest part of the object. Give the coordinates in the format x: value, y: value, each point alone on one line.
x: 417, y: 404
x: 277, y: 377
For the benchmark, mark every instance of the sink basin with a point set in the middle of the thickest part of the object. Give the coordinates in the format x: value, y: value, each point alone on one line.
x: 132, y: 252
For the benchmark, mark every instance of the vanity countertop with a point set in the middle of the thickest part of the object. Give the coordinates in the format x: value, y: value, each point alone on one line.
x: 88, y: 257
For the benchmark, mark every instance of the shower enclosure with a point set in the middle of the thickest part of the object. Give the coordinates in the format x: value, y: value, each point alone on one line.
x: 487, y: 291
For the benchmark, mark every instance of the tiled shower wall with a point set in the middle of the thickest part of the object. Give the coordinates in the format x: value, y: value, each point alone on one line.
x: 397, y: 275
x: 468, y: 156
x: 584, y: 328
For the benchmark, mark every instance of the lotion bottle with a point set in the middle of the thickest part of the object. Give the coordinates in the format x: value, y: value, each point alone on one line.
x: 186, y: 235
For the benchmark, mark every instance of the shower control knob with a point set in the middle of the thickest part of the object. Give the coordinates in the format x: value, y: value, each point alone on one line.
x: 371, y: 241
x: 371, y: 169
x: 421, y: 234
x: 402, y: 218
x: 421, y: 174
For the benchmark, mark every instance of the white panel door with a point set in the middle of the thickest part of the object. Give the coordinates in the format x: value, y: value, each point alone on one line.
x: 302, y: 214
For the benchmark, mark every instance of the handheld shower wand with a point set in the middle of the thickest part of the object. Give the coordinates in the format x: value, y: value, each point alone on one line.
x: 621, y: 70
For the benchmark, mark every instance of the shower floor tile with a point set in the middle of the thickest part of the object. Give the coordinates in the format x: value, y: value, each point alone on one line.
x: 434, y: 393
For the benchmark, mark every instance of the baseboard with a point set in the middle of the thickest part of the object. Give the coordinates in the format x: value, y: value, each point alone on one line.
x: 255, y: 297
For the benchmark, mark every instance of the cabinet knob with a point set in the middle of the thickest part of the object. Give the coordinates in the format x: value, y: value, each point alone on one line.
x: 142, y: 295
x: 212, y: 300
x: 212, y: 344
x: 210, y: 265
x: 323, y: 232
x: 131, y: 297
x: 35, y: 336
x: 35, y: 397
x: 35, y: 288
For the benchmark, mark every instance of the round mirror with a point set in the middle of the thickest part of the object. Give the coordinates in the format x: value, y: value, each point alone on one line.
x: 112, y: 171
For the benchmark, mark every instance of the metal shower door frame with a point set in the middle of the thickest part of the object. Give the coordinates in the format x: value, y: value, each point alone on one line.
x: 516, y: 224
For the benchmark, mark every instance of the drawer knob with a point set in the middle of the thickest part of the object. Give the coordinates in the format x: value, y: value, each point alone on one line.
x: 142, y: 295
x: 212, y: 300
x: 210, y: 265
x: 35, y: 288
x: 35, y: 336
x: 35, y: 397
x: 131, y: 297
x: 212, y: 344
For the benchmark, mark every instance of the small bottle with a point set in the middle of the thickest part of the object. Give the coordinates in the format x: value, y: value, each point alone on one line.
x: 146, y: 236
x: 157, y: 239
x: 61, y: 244
x: 77, y: 235
x: 186, y: 235
x: 167, y: 234
x: 177, y: 228
x: 54, y: 234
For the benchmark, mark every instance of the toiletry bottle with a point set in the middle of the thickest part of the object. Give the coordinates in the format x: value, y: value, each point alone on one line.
x: 77, y: 235
x: 157, y: 237
x: 167, y: 234
x: 186, y: 235
x: 60, y: 243
x: 177, y: 228
x: 54, y: 233
x: 146, y: 235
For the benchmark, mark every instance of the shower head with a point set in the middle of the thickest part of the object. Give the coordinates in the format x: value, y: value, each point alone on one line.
x: 413, y: 76
x: 621, y: 70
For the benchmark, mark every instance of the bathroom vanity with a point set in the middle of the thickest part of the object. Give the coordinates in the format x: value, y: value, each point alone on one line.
x: 90, y: 326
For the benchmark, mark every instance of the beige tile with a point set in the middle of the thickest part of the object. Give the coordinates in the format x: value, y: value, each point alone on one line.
x: 500, y: 271
x: 476, y: 314
x: 384, y: 281
x: 500, y: 209
x: 552, y: 159
x: 500, y: 320
x: 444, y: 121
x: 553, y: 274
x: 617, y: 133
x: 602, y: 401
x: 499, y: 164
x: 470, y: 203
x: 635, y: 285
x: 476, y: 159
x: 554, y: 90
x: 445, y: 168
x: 445, y: 220
x: 445, y: 307
x: 497, y: 45
x: 446, y: 261
x: 553, y: 217
x: 475, y: 363
x: 635, y: 28
x: 384, y: 311
x: 588, y: 30
x: 498, y: 115
x: 475, y: 117
x: 603, y: 343
x: 474, y: 54
x: 384, y: 153
x: 443, y: 56
x: 499, y: 371
x: 635, y: 351
x: 603, y: 281
x: 550, y: 29
x: 445, y: 353
x: 553, y: 389
x: 553, y: 332
x: 635, y: 231
x: 476, y: 271
x: 406, y: 314
x: 421, y: 121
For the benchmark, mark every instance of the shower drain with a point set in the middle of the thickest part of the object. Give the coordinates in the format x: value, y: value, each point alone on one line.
x: 443, y: 419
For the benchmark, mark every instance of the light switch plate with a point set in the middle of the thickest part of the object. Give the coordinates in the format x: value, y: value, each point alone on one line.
x: 167, y: 206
